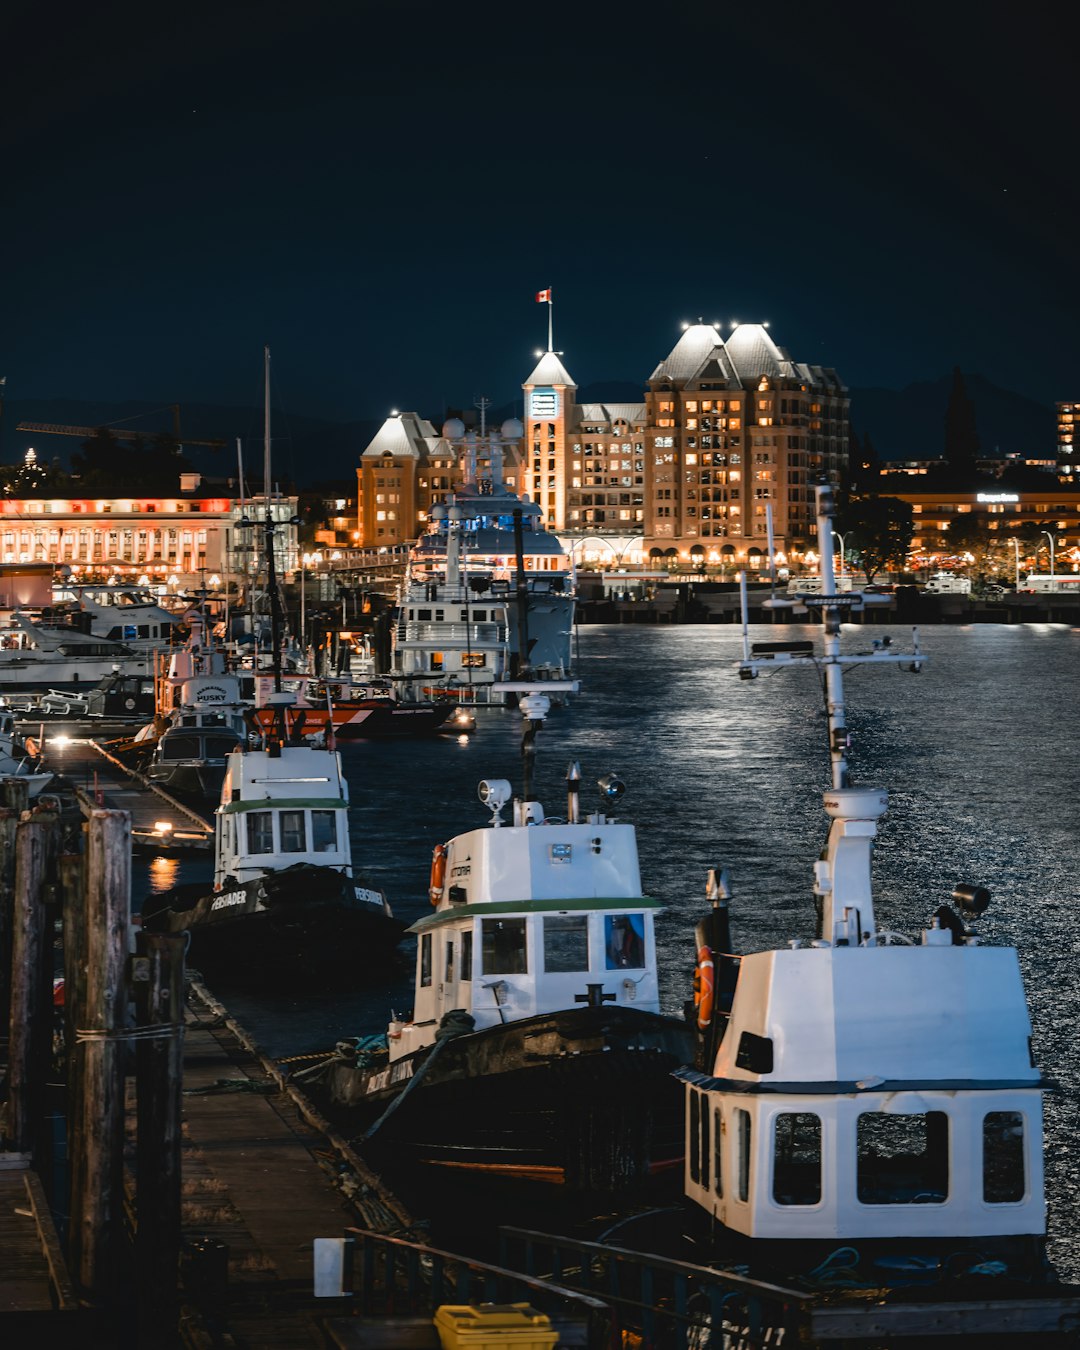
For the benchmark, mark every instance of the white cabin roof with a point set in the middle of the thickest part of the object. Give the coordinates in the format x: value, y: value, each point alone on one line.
x: 297, y: 776
x: 893, y: 1013
x: 542, y: 866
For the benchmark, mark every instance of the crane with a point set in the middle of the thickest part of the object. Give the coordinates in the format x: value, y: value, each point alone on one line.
x: 124, y: 434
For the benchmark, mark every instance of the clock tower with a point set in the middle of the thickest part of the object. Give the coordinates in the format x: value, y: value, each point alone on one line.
x: 550, y: 416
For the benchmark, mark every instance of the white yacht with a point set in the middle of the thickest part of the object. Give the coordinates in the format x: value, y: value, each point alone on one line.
x: 863, y: 1086
x: 536, y: 1047
x: 489, y: 592
x: 35, y: 656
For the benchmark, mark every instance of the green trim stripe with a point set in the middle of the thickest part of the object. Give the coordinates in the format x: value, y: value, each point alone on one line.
x: 621, y: 903
x: 273, y: 803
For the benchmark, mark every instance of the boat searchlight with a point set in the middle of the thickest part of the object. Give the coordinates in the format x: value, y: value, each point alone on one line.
x: 611, y: 787
x: 495, y: 793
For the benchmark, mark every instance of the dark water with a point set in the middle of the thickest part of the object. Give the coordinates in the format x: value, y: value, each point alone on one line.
x: 979, y: 754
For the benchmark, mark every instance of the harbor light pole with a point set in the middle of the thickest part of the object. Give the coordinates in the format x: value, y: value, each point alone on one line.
x: 305, y: 558
x: 1016, y: 545
x: 1050, y: 537
x: 837, y: 535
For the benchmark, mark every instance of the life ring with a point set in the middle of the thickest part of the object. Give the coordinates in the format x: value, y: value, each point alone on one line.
x: 438, y: 873
x: 129, y: 704
x: 704, y: 986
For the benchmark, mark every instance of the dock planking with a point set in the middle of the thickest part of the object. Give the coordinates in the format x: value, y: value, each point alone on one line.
x: 158, y: 820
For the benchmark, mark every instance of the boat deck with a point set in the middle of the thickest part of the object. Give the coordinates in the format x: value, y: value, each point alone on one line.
x: 159, y: 822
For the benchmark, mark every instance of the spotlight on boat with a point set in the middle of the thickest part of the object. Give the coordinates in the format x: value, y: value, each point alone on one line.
x: 971, y: 900
x: 611, y: 787
x: 494, y: 792
x: 162, y: 827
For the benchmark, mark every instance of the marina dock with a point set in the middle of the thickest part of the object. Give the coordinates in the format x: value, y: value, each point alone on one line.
x: 158, y: 819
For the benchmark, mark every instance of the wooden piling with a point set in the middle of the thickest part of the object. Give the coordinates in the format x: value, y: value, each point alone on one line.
x: 97, y: 1127
x: 9, y: 818
x: 73, y: 892
x: 158, y: 982
x: 30, y: 1047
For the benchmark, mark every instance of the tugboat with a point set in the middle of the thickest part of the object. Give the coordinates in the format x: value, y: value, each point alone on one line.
x: 489, y: 590
x: 536, y: 1049
x: 866, y: 1099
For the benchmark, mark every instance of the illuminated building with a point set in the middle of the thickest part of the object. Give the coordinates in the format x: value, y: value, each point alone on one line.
x: 733, y: 427
x: 183, y: 536
x: 1068, y: 415
x: 1022, y: 515
x: 407, y: 467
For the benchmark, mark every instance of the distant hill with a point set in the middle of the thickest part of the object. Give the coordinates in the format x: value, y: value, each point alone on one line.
x: 902, y: 423
x: 910, y: 423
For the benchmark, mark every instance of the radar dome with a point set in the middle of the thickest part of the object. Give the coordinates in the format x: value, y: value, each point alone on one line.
x: 512, y: 429
x: 438, y: 511
x: 453, y: 429
x: 454, y: 513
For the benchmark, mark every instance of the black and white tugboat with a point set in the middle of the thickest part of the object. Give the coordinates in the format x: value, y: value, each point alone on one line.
x: 865, y: 1110
x: 536, y: 1048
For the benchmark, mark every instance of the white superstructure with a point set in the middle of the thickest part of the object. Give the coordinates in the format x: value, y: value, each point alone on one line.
x: 532, y: 917
x: 864, y: 1084
x: 472, y: 612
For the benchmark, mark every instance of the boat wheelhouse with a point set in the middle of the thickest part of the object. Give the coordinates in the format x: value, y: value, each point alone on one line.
x: 489, y: 592
x: 536, y: 1047
x: 865, y: 1086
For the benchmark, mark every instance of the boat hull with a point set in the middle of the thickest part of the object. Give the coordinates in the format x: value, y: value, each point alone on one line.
x: 369, y: 719
x: 304, y: 922
x: 582, y: 1099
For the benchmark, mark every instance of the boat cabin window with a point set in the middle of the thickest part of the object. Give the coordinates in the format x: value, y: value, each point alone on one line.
x: 718, y: 1151
x: 323, y: 831
x: 503, y: 950
x: 466, y: 956
x: 423, y: 615
x: 181, y: 747
x: 624, y: 941
x: 472, y: 660
x: 1003, y: 1158
x: 425, y: 960
x: 742, y: 1153
x: 797, y: 1158
x: 566, y: 942
x: 293, y: 834
x: 260, y: 832
x: 436, y: 660
x: 903, y: 1160
x: 700, y: 1146
x: 217, y: 747
x: 448, y: 972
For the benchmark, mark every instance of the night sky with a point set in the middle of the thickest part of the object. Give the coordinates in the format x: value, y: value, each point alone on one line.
x: 377, y: 191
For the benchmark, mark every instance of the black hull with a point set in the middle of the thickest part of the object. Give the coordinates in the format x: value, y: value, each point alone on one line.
x: 302, y: 923
x: 399, y: 720
x: 190, y: 780
x: 581, y: 1099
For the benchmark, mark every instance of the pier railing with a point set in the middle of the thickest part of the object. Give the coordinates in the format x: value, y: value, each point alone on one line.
x: 662, y: 1304
x: 390, y: 1277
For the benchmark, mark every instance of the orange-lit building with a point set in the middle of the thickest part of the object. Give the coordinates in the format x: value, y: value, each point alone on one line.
x: 188, y: 535
x: 1068, y: 422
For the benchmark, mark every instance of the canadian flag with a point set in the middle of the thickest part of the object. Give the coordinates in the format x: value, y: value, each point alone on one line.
x: 543, y: 296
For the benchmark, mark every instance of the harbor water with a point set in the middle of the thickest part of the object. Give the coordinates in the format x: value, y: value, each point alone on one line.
x: 978, y: 754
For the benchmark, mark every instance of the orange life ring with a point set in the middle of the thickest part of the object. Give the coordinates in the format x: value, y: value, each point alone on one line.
x: 704, y: 986
x: 438, y: 873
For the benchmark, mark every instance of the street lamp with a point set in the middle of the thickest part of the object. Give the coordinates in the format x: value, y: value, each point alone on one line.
x: 1016, y: 545
x: 837, y: 535
x: 1051, y: 539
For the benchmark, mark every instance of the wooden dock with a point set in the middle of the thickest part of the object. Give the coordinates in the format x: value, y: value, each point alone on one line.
x: 158, y: 820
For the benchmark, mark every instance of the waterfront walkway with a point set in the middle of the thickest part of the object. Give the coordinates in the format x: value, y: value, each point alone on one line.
x: 260, y: 1182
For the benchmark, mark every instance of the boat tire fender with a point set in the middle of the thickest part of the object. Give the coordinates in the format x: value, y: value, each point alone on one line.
x: 438, y: 873
x: 704, y: 988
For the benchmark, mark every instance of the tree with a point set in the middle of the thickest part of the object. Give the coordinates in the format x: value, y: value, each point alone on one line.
x: 961, y: 437
x: 971, y: 534
x: 879, y: 530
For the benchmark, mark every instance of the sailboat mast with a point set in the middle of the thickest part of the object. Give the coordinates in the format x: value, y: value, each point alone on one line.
x: 266, y: 426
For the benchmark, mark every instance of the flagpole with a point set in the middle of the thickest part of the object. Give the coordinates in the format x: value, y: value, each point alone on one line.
x: 551, y: 306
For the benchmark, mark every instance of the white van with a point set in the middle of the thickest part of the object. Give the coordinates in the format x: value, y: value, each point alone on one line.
x: 946, y: 583
x: 814, y: 585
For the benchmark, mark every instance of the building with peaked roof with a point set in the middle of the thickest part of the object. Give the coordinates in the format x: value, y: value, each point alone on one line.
x: 725, y: 428
x: 733, y: 428
x: 406, y: 468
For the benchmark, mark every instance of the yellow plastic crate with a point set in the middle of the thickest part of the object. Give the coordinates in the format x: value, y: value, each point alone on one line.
x: 494, y: 1326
